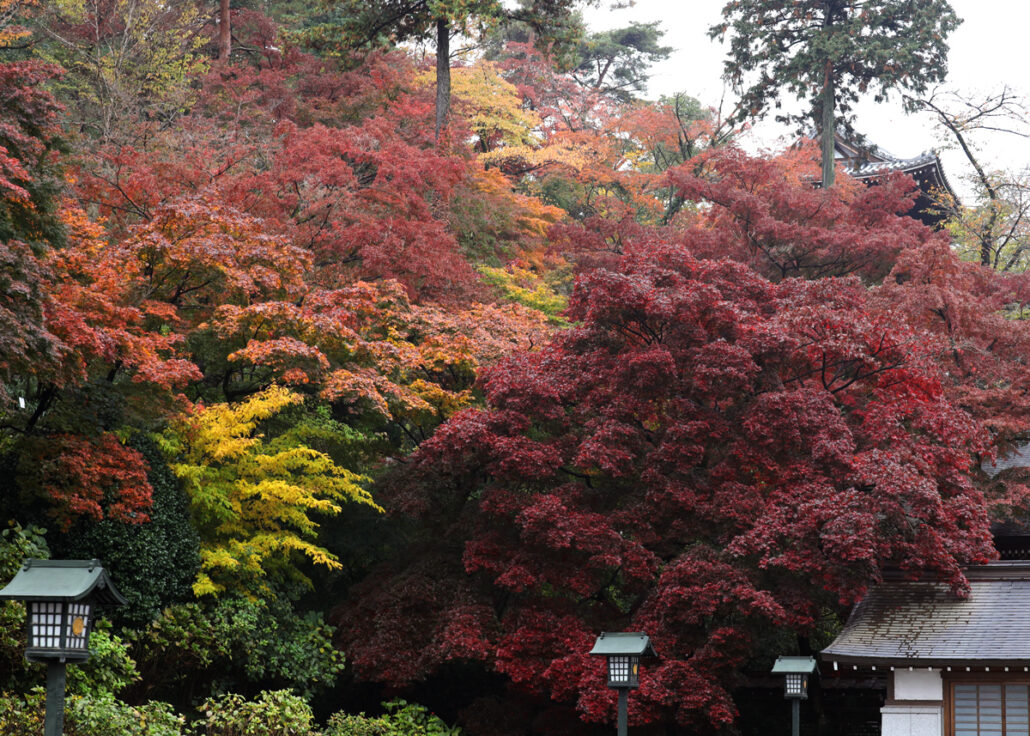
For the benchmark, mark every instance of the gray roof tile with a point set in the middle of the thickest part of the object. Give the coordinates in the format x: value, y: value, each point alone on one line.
x: 923, y: 623
x: 874, y: 168
x: 1019, y: 457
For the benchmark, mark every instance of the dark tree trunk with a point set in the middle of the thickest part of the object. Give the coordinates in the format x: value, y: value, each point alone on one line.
x: 828, y: 128
x: 443, y: 74
x: 224, y: 30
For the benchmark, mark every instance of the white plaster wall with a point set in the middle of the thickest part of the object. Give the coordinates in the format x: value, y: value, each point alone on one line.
x: 918, y: 685
x: 912, y: 720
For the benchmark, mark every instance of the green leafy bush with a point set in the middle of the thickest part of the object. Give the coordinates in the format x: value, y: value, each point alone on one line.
x: 101, y: 715
x: 19, y: 543
x: 109, y: 669
x: 401, y: 719
x: 21, y: 715
x: 104, y: 715
x: 271, y: 713
x: 235, y: 644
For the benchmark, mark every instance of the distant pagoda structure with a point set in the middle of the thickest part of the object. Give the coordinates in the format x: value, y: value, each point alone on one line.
x: 868, y: 163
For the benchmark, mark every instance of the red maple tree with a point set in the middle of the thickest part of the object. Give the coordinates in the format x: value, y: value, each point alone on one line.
x: 765, y: 212
x: 707, y: 455
x: 29, y: 137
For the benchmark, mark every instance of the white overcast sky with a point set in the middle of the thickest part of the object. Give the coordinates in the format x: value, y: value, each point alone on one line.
x: 990, y: 49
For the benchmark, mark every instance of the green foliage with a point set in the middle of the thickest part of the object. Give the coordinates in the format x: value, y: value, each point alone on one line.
x: 235, y: 644
x: 109, y: 669
x: 401, y: 719
x: 273, y: 643
x: 17, y: 543
x: 154, y: 563
x: 353, y: 24
x: 21, y: 714
x: 272, y: 713
x: 269, y: 713
x: 568, y: 194
x: 618, y: 61
x: 97, y: 715
x: 876, y: 46
x: 177, y: 648
x: 104, y: 715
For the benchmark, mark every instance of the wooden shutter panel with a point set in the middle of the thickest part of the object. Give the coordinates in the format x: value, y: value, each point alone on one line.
x: 991, y: 709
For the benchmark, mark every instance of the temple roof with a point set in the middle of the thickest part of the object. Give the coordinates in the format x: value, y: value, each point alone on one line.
x: 866, y: 163
x: 922, y: 623
x: 863, y: 163
x: 1018, y: 457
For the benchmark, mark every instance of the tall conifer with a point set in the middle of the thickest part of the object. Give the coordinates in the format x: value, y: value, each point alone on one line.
x: 828, y: 52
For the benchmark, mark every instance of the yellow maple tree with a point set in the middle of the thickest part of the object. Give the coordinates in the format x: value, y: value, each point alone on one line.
x: 253, y: 497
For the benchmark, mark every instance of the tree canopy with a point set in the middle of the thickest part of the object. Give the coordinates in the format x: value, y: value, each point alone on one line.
x: 352, y: 404
x: 829, y: 52
x: 706, y: 456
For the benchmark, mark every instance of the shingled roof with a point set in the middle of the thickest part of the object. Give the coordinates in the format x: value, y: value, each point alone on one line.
x: 1018, y: 457
x: 915, y: 623
x: 868, y: 163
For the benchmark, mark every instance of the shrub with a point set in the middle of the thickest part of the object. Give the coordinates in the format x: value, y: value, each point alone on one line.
x: 104, y: 715
x: 21, y: 715
x: 235, y: 644
x: 101, y: 715
x: 109, y: 668
x: 272, y: 713
x: 401, y: 719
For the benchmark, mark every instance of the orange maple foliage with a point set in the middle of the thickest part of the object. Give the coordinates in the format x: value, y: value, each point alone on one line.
x: 97, y: 477
x: 367, y: 348
x: 93, y: 313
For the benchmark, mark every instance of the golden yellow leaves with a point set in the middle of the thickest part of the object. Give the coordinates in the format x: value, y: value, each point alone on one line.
x: 253, y: 497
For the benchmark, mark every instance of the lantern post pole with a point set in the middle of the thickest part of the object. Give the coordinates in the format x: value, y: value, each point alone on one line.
x: 623, y: 711
x: 796, y: 671
x: 61, y: 599
x: 55, y: 678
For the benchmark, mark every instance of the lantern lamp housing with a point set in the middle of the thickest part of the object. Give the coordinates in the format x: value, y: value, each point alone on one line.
x: 796, y: 672
x: 61, y: 598
x: 623, y: 650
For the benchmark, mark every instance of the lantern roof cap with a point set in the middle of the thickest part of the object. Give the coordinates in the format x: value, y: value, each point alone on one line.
x: 628, y: 642
x: 794, y: 666
x: 62, y: 580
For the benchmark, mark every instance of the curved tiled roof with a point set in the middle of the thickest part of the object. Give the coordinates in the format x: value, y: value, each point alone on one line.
x: 874, y: 168
x: 922, y: 623
x: 867, y: 162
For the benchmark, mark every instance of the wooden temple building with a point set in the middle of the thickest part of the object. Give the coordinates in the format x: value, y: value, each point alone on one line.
x: 868, y: 163
x: 954, y: 666
x: 950, y: 665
